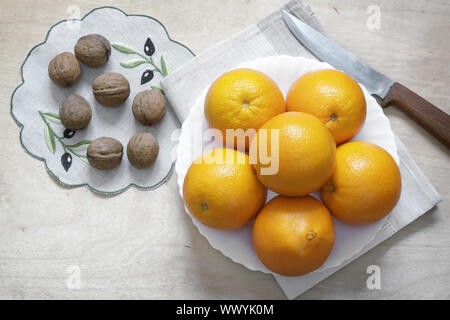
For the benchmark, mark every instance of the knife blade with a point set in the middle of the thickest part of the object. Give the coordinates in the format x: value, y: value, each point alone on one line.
x: 436, y: 121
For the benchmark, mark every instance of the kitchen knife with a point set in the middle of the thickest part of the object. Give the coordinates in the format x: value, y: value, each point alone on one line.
x: 433, y: 119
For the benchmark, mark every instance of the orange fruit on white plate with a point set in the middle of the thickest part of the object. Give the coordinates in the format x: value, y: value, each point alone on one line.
x: 284, y: 71
x: 242, y: 99
x: 365, y: 185
x: 293, y: 236
x: 221, y: 189
x: 332, y: 96
x: 301, y: 148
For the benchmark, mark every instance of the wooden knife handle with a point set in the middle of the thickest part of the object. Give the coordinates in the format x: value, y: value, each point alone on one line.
x: 433, y: 119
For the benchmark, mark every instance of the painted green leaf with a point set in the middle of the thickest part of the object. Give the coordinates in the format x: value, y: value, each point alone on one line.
x: 81, y: 143
x: 80, y: 146
x: 164, y: 67
x: 133, y: 63
x: 84, y: 159
x: 52, y: 117
x: 49, y: 139
x: 123, y: 48
x: 158, y: 88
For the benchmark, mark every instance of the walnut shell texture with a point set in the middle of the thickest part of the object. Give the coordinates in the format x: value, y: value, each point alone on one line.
x: 93, y: 50
x: 142, y: 149
x: 105, y: 153
x: 149, y: 107
x: 75, y: 112
x: 111, y: 89
x: 64, y: 69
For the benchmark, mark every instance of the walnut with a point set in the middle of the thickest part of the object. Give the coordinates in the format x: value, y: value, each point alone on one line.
x: 64, y: 69
x: 93, y: 50
x: 105, y: 153
x: 149, y: 107
x: 142, y: 149
x: 75, y: 112
x: 111, y: 89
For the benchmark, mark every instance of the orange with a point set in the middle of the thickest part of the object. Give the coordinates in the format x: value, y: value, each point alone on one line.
x: 304, y: 153
x: 365, y: 186
x: 242, y: 99
x: 293, y: 236
x: 333, y: 97
x: 221, y: 189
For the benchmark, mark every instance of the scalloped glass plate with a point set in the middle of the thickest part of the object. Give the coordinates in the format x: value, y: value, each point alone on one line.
x: 237, y: 245
x: 46, y: 140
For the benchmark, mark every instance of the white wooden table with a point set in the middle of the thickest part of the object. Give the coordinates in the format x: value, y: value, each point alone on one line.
x: 132, y: 246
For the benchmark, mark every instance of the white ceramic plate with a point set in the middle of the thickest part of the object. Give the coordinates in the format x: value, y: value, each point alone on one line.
x: 237, y: 245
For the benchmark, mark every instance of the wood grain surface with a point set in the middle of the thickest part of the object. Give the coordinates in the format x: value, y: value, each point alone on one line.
x: 141, y: 244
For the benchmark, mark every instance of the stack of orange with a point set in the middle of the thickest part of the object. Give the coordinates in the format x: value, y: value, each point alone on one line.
x: 292, y: 150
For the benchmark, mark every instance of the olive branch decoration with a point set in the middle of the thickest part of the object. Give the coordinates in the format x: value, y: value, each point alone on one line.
x: 51, y: 137
x: 149, y: 50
